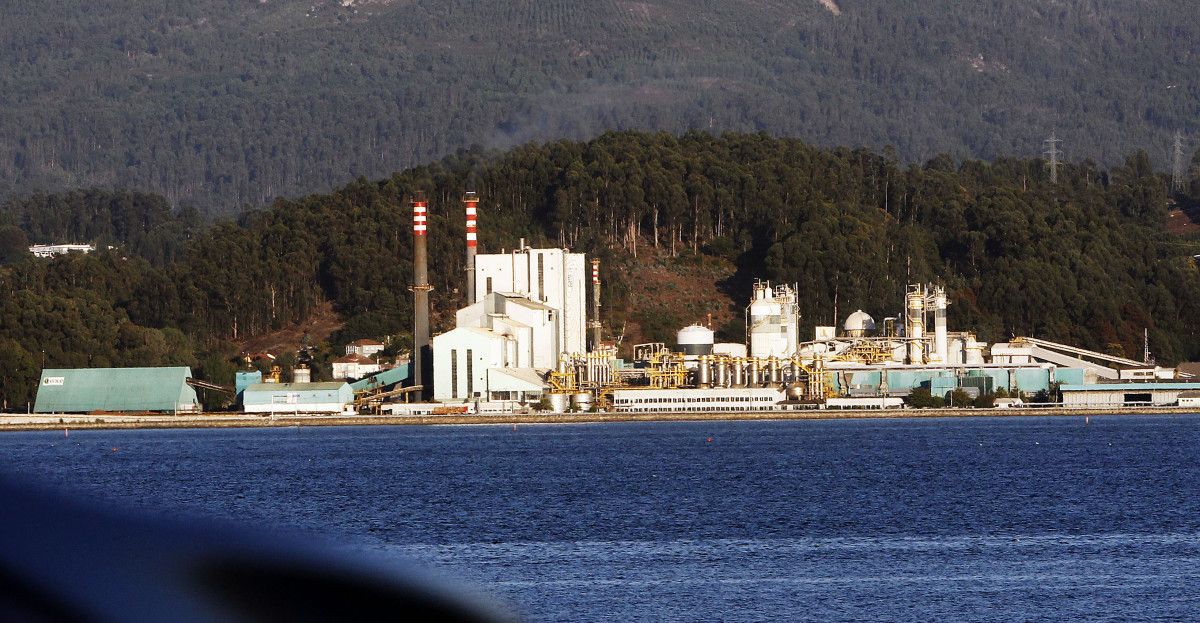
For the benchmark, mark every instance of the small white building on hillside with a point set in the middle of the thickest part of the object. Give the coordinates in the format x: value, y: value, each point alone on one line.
x: 364, y: 348
x: 354, y: 367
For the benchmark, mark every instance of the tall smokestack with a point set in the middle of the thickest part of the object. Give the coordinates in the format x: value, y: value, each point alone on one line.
x: 471, y: 203
x: 422, y: 353
x: 595, y: 324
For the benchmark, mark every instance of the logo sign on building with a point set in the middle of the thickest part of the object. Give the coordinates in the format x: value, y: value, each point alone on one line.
x: 54, y: 380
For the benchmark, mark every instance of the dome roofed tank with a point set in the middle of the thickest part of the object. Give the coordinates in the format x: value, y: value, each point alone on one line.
x: 695, y: 340
x: 859, y: 324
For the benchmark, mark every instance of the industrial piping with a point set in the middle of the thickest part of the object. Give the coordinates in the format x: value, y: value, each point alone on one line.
x: 422, y: 351
x: 471, y: 203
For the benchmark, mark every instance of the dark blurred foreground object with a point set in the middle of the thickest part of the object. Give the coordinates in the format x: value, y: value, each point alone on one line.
x: 64, y: 561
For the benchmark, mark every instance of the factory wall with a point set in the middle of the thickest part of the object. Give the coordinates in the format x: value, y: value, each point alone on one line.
x: 332, y: 397
x: 1119, y: 394
x: 940, y: 381
x: 553, y: 277
x: 463, y: 357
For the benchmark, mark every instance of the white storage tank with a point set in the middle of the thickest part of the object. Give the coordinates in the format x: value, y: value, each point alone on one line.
x: 859, y: 324
x: 695, y: 340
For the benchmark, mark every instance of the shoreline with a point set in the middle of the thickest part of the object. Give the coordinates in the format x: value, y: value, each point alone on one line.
x: 24, y: 422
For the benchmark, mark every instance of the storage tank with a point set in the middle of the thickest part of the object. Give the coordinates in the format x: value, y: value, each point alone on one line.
x: 582, y: 401
x: 915, y: 324
x: 695, y: 340
x: 730, y: 349
x: 559, y: 403
x: 973, y: 352
x: 859, y: 324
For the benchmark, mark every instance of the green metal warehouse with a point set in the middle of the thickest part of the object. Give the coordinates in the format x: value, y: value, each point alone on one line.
x: 329, y: 397
x: 85, y: 390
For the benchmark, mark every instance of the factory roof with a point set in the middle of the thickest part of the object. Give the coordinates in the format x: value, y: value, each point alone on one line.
x: 84, y: 390
x: 515, y: 380
x: 366, y: 342
x: 354, y: 359
x: 294, y: 387
x: 395, y: 375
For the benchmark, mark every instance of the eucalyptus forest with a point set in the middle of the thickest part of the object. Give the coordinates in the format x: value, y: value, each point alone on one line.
x: 1086, y: 260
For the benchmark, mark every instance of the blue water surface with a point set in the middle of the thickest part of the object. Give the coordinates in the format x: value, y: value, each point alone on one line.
x: 985, y: 519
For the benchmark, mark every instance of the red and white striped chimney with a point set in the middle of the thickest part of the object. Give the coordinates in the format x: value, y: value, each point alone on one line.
x: 471, y: 204
x: 422, y: 363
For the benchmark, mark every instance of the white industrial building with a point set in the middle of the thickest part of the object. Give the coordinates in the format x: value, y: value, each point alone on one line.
x: 556, y: 278
x: 773, y: 321
x: 530, y: 312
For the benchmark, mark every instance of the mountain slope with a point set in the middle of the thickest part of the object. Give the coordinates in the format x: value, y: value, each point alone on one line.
x: 227, y: 102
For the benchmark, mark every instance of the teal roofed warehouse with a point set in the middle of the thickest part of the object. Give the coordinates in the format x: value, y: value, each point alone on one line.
x: 130, y: 390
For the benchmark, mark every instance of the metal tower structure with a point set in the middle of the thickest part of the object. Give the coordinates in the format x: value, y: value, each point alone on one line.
x: 1052, y: 153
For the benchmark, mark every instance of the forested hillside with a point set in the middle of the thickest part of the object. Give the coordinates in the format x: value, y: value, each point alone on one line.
x: 1086, y: 261
x: 226, y: 103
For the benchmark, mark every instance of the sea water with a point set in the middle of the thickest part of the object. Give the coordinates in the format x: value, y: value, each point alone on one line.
x: 985, y: 519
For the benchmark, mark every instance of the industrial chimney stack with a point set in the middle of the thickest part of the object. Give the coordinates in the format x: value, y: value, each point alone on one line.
x: 422, y: 364
x: 595, y: 323
x: 471, y: 202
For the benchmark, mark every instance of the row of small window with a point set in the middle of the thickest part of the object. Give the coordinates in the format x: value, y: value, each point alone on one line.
x: 639, y: 401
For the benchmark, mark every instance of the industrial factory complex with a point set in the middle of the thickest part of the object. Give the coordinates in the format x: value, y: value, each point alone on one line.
x: 530, y: 338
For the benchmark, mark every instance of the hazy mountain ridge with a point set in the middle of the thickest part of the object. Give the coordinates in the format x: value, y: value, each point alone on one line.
x: 227, y: 103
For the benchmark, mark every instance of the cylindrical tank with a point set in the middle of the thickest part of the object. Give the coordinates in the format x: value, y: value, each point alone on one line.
x: 753, y: 373
x: 729, y: 349
x: 773, y: 321
x: 737, y: 376
x: 559, y: 403
x: 721, y: 372
x: 915, y: 325
x: 581, y: 401
x: 795, y: 391
x: 796, y: 368
x: 695, y: 340
x: 704, y: 372
x: 973, y: 352
x: 941, y: 345
x: 773, y: 376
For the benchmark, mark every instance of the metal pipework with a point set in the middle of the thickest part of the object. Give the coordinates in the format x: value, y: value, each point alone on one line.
x: 422, y: 351
x: 595, y: 323
x: 471, y: 206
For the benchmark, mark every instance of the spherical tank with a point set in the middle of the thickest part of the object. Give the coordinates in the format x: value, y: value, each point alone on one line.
x: 859, y: 324
x: 695, y: 340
